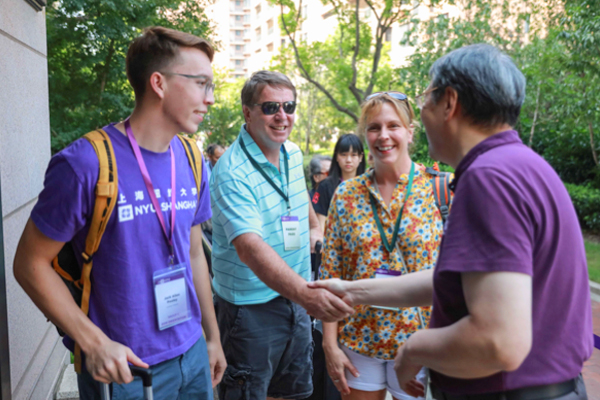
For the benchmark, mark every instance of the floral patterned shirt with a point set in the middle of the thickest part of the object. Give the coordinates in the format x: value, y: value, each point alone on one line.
x: 353, y: 250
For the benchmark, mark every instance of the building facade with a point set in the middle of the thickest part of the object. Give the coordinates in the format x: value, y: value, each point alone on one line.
x: 31, y: 354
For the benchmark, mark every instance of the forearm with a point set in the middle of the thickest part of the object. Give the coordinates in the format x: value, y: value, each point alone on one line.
x: 322, y: 220
x: 270, y: 268
x: 411, y: 290
x: 205, y: 300
x: 313, y: 221
x: 461, y: 350
x: 330, y: 335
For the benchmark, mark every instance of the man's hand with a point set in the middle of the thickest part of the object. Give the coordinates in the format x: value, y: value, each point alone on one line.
x: 407, y: 372
x: 216, y: 359
x: 325, y: 306
x: 316, y: 235
x: 337, y: 287
x: 108, y: 362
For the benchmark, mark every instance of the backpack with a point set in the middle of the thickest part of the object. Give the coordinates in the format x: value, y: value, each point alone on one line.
x: 107, y: 187
x: 441, y: 190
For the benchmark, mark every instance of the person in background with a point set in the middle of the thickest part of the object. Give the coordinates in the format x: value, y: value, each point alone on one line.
x: 380, y: 224
x: 512, y: 317
x: 348, y: 162
x: 213, y: 153
x: 318, y: 170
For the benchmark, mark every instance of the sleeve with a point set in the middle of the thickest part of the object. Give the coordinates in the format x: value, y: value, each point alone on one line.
x: 66, y: 203
x: 322, y: 198
x: 204, y: 211
x: 234, y: 205
x: 491, y: 226
x: 332, y: 256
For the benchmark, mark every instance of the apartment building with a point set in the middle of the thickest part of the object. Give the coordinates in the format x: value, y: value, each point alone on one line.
x: 250, y: 35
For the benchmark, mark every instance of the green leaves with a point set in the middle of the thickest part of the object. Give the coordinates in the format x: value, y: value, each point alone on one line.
x: 87, y: 44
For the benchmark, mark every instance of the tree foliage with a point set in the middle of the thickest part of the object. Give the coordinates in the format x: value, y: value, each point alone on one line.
x: 87, y: 44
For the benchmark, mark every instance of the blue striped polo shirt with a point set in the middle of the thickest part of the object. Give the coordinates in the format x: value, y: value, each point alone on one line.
x: 244, y: 202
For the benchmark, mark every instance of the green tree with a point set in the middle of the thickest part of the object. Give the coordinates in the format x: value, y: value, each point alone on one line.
x: 351, y: 64
x: 224, y: 118
x: 87, y: 44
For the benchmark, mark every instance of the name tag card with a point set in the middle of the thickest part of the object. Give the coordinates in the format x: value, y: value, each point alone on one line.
x: 291, y: 233
x: 171, y: 294
x: 382, y: 273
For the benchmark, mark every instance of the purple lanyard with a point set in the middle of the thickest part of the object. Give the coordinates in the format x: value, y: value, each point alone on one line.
x: 151, y: 193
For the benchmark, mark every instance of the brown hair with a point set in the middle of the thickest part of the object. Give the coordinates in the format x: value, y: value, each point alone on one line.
x: 373, y: 106
x: 156, y: 48
x: 257, y: 82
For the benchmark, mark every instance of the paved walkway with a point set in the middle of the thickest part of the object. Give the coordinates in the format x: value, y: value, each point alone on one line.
x: 591, y: 370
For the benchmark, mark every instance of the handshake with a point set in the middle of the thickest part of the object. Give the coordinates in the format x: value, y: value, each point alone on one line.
x: 329, y: 300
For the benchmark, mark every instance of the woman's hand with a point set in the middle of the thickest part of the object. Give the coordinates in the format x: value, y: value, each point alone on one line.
x: 337, y: 362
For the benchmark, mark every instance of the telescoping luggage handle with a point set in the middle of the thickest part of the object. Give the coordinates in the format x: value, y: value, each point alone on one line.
x: 143, y: 373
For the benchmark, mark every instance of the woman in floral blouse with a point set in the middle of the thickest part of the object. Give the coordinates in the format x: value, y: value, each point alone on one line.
x: 380, y: 224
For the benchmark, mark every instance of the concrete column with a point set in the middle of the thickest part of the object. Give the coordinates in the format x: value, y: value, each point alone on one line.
x: 36, y: 355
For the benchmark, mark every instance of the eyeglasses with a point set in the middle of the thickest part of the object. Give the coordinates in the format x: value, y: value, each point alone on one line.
x: 272, y: 107
x: 207, y: 83
x: 396, y: 95
x: 326, y: 173
x: 420, y: 99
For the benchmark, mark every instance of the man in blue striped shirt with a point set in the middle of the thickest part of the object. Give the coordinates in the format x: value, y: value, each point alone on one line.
x: 263, y: 228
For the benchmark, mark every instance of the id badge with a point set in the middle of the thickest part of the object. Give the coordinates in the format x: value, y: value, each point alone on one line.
x: 382, y: 273
x: 171, y: 295
x: 291, y: 233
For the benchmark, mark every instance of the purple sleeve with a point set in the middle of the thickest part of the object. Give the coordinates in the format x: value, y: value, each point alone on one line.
x: 490, y: 227
x: 204, y: 212
x: 66, y: 202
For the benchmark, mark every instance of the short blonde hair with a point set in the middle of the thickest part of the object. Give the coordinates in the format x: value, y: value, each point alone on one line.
x: 374, y: 105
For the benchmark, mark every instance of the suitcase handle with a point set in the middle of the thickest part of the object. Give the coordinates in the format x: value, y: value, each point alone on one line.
x: 144, y: 373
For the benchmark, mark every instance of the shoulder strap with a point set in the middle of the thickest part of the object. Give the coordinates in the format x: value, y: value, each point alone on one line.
x: 194, y: 157
x: 107, y: 189
x: 441, y: 191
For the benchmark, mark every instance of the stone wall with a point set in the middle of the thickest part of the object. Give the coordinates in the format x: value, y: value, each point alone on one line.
x: 36, y: 355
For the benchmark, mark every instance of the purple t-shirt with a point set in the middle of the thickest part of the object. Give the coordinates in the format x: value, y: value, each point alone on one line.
x: 511, y: 212
x: 122, y: 300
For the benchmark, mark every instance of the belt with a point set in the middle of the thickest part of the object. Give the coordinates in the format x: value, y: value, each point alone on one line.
x: 528, y: 393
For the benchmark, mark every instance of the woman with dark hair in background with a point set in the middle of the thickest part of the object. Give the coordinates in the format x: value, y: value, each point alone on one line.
x: 348, y: 162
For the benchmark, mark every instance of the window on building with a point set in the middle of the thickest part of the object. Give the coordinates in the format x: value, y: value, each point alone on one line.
x: 270, y: 47
x: 238, y: 17
x: 388, y: 35
x: 258, y: 33
x: 239, y: 62
x: 258, y: 51
x: 258, y: 8
x: 282, y: 42
x: 238, y: 3
x: 238, y: 33
x: 368, y: 13
x: 304, y: 11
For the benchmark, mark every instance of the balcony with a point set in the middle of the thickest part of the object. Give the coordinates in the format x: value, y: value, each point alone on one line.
x: 236, y: 24
x: 236, y: 39
x: 236, y: 9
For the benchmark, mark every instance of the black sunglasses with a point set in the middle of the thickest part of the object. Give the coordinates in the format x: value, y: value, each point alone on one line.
x: 395, y: 95
x: 272, y: 107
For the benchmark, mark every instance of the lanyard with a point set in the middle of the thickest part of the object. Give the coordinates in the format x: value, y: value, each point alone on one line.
x: 389, y: 247
x: 151, y: 193
x: 262, y: 172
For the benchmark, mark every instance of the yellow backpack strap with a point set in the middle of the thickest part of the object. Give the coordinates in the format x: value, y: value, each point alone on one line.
x: 195, y: 158
x: 107, y: 189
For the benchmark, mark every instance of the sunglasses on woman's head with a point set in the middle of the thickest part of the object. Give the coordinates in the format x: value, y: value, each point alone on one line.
x: 272, y: 107
x: 395, y: 95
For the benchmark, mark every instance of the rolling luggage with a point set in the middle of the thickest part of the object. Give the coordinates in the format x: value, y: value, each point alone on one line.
x: 144, y: 373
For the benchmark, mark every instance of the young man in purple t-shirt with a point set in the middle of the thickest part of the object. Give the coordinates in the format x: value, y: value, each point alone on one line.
x: 511, y: 315
x: 142, y: 251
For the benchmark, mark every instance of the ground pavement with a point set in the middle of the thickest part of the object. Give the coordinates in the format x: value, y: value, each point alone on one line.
x: 591, y: 369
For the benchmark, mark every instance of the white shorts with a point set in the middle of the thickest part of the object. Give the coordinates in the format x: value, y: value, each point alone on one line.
x: 376, y: 374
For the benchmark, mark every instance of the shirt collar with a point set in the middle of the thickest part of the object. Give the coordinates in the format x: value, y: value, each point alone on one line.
x: 256, y: 152
x: 498, y: 139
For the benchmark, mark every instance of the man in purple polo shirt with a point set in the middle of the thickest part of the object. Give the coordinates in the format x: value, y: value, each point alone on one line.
x: 171, y: 75
x: 511, y: 305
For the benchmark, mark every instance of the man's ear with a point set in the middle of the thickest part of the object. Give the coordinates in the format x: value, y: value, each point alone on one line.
x: 246, y: 111
x: 451, y: 104
x: 158, y: 84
